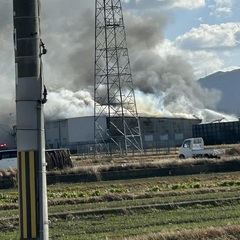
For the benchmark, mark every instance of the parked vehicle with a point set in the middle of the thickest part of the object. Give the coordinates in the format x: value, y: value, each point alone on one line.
x: 194, y: 147
x: 55, y: 158
x: 8, y: 159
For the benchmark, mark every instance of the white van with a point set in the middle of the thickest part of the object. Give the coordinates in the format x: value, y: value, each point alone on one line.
x: 55, y: 158
x: 8, y: 159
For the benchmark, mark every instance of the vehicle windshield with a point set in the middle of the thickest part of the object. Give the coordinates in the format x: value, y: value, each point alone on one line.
x: 186, y: 144
x: 8, y: 154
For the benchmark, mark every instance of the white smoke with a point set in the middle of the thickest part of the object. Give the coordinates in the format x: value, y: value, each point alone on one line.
x: 165, y: 86
x: 64, y: 103
x: 209, y: 115
x: 153, y: 105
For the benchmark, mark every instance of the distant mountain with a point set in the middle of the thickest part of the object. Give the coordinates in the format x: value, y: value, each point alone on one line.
x: 229, y: 84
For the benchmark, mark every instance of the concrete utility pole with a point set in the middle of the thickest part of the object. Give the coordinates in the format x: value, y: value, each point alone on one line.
x: 30, y: 97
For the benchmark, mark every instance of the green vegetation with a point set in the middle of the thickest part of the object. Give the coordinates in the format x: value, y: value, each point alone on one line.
x: 205, y: 206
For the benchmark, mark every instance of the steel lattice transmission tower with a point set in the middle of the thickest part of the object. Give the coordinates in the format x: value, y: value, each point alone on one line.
x: 113, y: 88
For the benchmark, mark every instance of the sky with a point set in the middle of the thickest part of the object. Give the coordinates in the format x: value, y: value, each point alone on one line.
x: 171, y: 43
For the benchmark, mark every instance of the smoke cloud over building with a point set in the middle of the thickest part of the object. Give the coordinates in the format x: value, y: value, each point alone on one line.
x: 165, y: 85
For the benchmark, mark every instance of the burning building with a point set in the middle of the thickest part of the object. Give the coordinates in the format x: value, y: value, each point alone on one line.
x: 78, y: 133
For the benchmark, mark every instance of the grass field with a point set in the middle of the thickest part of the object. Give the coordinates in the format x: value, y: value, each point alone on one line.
x: 204, y: 206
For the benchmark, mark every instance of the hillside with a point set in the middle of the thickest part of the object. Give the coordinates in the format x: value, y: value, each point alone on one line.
x: 229, y: 84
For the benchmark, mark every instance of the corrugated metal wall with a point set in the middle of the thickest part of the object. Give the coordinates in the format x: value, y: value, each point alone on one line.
x: 218, y: 133
x: 156, y: 132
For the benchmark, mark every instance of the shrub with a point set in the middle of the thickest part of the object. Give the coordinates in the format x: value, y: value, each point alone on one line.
x: 116, y: 190
x: 227, y: 183
x: 96, y: 193
x: 178, y: 186
x: 196, y: 185
x: 155, y: 188
x: 8, y: 198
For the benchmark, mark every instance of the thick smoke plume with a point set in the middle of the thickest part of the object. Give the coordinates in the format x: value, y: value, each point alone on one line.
x: 7, y: 76
x: 66, y: 104
x: 165, y: 86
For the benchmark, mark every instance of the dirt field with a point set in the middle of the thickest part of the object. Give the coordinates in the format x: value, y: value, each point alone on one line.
x: 202, y: 206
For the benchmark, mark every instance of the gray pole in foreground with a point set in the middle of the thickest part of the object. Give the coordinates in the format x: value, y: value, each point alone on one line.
x: 30, y: 97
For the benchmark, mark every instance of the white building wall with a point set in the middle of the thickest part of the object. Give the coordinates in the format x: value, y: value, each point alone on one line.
x: 81, y: 129
x: 64, y: 136
x: 52, y: 134
x: 79, y: 132
x: 70, y: 131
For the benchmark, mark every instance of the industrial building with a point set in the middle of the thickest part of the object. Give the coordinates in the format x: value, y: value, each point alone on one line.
x: 78, y: 133
x: 157, y: 133
x: 74, y: 133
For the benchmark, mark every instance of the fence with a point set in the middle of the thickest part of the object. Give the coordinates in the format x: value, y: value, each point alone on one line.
x: 160, y: 147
